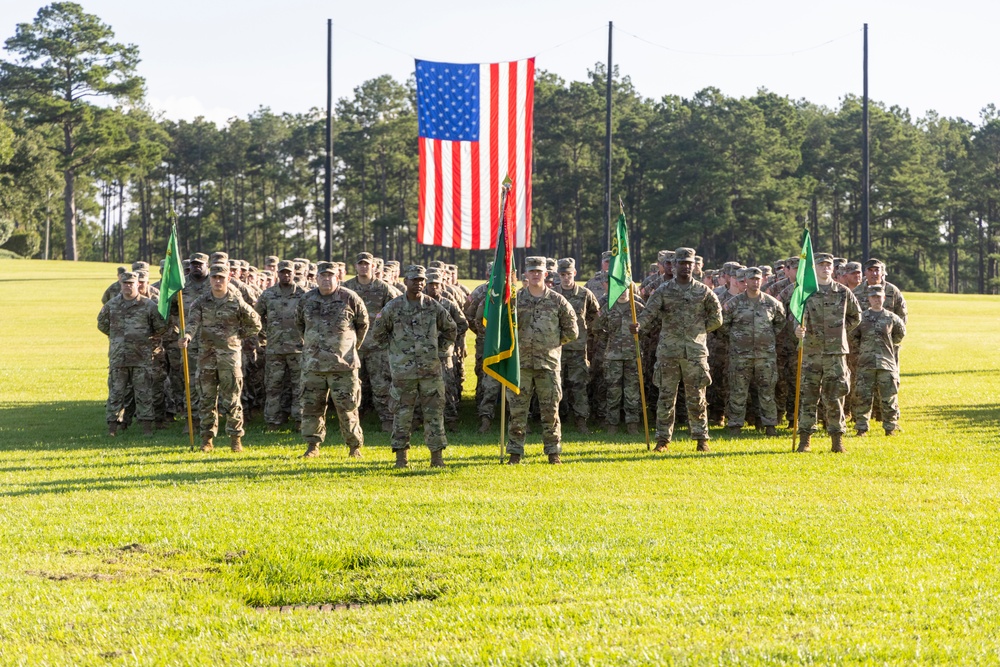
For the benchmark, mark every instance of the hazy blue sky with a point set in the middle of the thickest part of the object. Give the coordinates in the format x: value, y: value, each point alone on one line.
x: 223, y: 59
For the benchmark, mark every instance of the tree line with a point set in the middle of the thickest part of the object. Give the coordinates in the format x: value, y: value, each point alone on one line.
x: 88, y: 171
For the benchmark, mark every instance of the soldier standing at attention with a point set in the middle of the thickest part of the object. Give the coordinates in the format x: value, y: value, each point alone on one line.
x: 876, y: 339
x: 598, y: 285
x: 752, y: 321
x: 687, y: 311
x: 545, y: 322
x: 829, y: 314
x: 331, y: 320
x: 131, y: 322
x: 575, y: 366
x: 277, y: 307
x: 420, y: 337
x: 452, y: 379
x: 621, y: 375
x: 219, y: 321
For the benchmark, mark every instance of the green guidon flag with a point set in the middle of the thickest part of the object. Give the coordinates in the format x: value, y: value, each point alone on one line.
x: 172, y: 277
x: 620, y: 266
x: 805, y: 280
x: 501, y: 360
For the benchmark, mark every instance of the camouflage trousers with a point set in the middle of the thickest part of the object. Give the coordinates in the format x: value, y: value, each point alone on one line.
x: 375, y: 372
x: 621, y: 376
x: 576, y: 378
x: 826, y: 379
x: 886, y: 384
x: 696, y: 377
x: 344, y: 389
x: 548, y: 385
x: 158, y: 383
x: 123, y: 385
x: 282, y: 386
x: 220, y: 393
x: 428, y: 393
x: 453, y: 378
x: 489, y: 398
x: 479, y: 369
x: 597, y: 389
x: 175, y: 358
x: 717, y: 393
x: 762, y: 374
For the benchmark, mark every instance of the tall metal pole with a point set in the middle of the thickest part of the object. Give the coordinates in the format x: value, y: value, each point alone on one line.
x: 328, y: 195
x: 607, y: 148
x: 866, y: 241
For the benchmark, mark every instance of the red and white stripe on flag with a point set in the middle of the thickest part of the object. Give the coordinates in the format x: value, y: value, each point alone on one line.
x: 460, y: 176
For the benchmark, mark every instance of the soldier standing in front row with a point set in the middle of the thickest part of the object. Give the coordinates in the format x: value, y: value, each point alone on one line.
x: 420, y: 337
x: 331, y: 321
x: 131, y: 322
x: 277, y: 307
x: 545, y: 322
x: 876, y: 339
x: 220, y: 320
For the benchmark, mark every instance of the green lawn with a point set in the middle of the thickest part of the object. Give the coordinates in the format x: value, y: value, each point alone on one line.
x: 138, y: 551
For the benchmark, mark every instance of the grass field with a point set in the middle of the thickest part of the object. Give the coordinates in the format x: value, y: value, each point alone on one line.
x: 138, y: 551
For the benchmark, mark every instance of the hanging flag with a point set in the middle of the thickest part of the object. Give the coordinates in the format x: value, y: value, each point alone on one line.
x: 501, y: 360
x: 805, y: 279
x: 172, y: 276
x: 475, y: 128
x: 620, y: 266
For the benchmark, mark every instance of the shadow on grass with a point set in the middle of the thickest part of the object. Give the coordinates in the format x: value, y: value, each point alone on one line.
x: 968, y: 371
x: 961, y: 416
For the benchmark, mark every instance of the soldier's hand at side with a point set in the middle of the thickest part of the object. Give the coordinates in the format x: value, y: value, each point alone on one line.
x: 183, y: 342
x: 634, y: 328
x: 800, y: 332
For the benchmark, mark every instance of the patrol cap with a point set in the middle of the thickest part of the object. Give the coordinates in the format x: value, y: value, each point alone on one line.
x: 534, y: 263
x: 567, y: 263
x: 268, y: 272
x: 364, y: 257
x: 765, y: 270
x: 664, y: 256
x: 752, y: 272
x: 234, y: 263
x: 186, y: 263
x: 839, y: 261
x: 392, y: 264
x: 416, y: 271
x: 286, y: 265
x: 823, y: 258
x: 378, y: 262
x: 128, y: 277
x: 272, y: 259
x: 219, y: 257
x: 852, y: 267
x: 780, y: 264
x: 740, y: 274
x: 605, y: 255
x: 301, y: 260
x: 219, y: 270
x: 312, y: 269
x: 299, y: 265
x: 791, y: 262
x: 550, y: 264
x: 876, y: 290
x: 252, y: 270
x: 874, y: 262
x: 140, y: 266
x: 489, y: 267
x: 684, y: 255
x: 122, y: 269
x: 434, y: 276
x: 654, y: 266
x: 143, y: 276
x: 436, y: 264
x: 326, y: 267
x: 199, y: 258
x: 730, y: 268
x: 245, y: 265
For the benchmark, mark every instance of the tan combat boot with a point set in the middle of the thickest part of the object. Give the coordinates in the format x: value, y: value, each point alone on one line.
x: 312, y: 450
x: 860, y: 434
x: 838, y: 443
x: 387, y: 427
x: 632, y: 428
x: 554, y: 459
x: 236, y: 443
x: 890, y: 432
x: 734, y: 431
x: 770, y: 431
x: 148, y: 427
x: 581, y: 426
x: 354, y: 453
x: 402, y: 460
x: 804, y: 439
x: 611, y: 429
x: 485, y: 424
x: 113, y: 429
x: 206, y: 443
x: 661, y: 446
x: 702, y: 445
x: 437, y: 459
x: 514, y: 460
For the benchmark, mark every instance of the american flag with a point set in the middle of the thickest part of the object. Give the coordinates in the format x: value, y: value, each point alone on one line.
x: 475, y: 127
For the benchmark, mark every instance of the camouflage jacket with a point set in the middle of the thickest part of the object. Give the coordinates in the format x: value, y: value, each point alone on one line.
x: 376, y: 294
x: 776, y: 286
x: 277, y: 306
x: 615, y: 325
x: 598, y: 286
x: 219, y: 326
x: 114, y: 289
x: 894, y: 301
x: 332, y: 328
x: 686, y: 314
x: 829, y: 314
x: 420, y: 336
x: 585, y: 305
x: 461, y: 324
x: 753, y: 325
x: 544, y: 324
x: 650, y: 284
x: 131, y: 326
x: 246, y: 291
x: 876, y: 337
x: 476, y: 297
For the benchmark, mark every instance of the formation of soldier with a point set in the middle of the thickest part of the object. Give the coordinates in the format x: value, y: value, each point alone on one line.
x: 294, y: 337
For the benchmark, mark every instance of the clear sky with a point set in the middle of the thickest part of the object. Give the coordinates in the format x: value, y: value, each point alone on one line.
x: 220, y: 59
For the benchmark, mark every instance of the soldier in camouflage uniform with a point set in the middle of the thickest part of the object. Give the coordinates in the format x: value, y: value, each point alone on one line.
x: 598, y: 285
x: 597, y: 391
x: 752, y: 321
x: 452, y: 379
x: 717, y: 394
x: 876, y: 339
x: 277, y: 307
x: 687, y: 311
x: 331, y: 321
x: 545, y: 322
x: 487, y: 389
x: 220, y: 320
x: 829, y: 315
x: 375, y: 371
x: 196, y: 284
x: 784, y: 391
x: 575, y: 365
x: 665, y: 261
x: 621, y: 375
x: 894, y: 302
x: 115, y: 288
x: 420, y: 338
x: 131, y: 322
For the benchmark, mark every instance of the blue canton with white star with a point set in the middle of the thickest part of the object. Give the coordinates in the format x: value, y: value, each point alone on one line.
x: 448, y: 101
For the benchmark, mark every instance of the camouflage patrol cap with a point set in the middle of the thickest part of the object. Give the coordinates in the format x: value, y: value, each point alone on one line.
x: 876, y: 290
x: 791, y: 262
x: 434, y: 276
x: 550, y: 264
x: 268, y: 273
x: 534, y: 263
x: 436, y: 264
x: 364, y: 258
x: 199, y: 258
x: 392, y: 264
x: 326, y: 267
x: 219, y: 270
x: 874, y: 262
x: 234, y: 264
x: 311, y: 269
x: 605, y: 255
x: 301, y: 260
x: 286, y: 265
x: 567, y: 263
x: 299, y: 266
x: 684, y: 255
x: 122, y: 269
x: 186, y: 263
x: 378, y: 263
x: 730, y: 268
x: 698, y: 259
x: 140, y: 266
x: 765, y: 270
x: 415, y: 271
x: 664, y: 256
x: 143, y: 276
x: 654, y: 266
x: 852, y: 267
x: 780, y: 264
x: 128, y: 277
x: 740, y: 274
x: 271, y: 259
x: 245, y: 265
x: 822, y: 258
x: 752, y: 272
x: 252, y: 270
x: 839, y: 261
x: 489, y: 267
x: 219, y: 257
